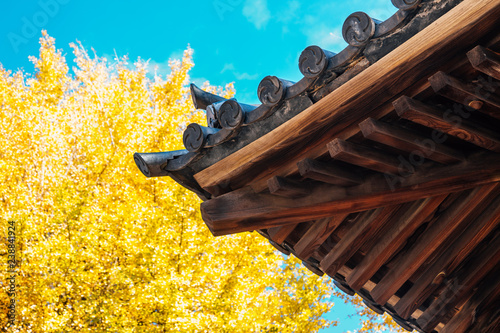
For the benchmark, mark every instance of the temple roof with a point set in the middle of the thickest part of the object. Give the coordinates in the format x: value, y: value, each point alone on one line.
x: 380, y: 167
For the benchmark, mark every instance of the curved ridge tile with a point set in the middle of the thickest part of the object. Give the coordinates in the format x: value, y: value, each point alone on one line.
x: 201, y: 98
x: 155, y: 164
x: 321, y: 69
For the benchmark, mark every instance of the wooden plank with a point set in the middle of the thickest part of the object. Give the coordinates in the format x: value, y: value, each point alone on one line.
x: 287, y: 187
x: 368, y: 158
x: 460, y: 286
x: 485, y: 60
x: 429, y: 242
x: 349, y: 104
x: 317, y: 234
x: 461, y: 92
x: 401, y: 226
x: 479, y: 224
x: 447, y: 122
x: 355, y: 237
x: 279, y: 234
x: 328, y: 173
x: 409, y: 141
x: 245, y: 210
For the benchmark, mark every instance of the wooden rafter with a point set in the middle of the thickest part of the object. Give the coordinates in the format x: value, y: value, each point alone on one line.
x: 429, y: 242
x: 401, y: 226
x: 447, y: 122
x: 478, y: 225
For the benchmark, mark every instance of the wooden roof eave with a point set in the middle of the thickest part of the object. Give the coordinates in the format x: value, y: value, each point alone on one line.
x: 366, y: 95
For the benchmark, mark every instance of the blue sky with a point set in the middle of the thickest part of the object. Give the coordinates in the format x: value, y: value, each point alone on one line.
x: 238, y: 41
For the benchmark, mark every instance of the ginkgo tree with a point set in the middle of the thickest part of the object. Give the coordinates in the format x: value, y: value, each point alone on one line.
x: 101, y: 248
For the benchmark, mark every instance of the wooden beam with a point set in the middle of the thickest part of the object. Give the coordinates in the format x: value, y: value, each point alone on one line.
x: 485, y: 60
x: 483, y: 220
x: 328, y: 173
x: 409, y: 141
x: 447, y: 122
x: 280, y: 234
x: 245, y: 210
x: 287, y: 187
x: 460, y: 286
x: 411, y: 62
x: 368, y: 158
x: 428, y: 243
x: 355, y: 237
x: 401, y: 226
x: 461, y: 92
x: 317, y: 234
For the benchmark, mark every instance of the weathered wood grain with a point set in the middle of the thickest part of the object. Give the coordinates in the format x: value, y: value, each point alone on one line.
x: 447, y: 122
x: 355, y: 237
x: 245, y: 210
x: 328, y: 173
x: 409, y: 141
x: 429, y: 242
x: 279, y: 234
x: 485, y: 60
x: 401, y: 225
x: 487, y: 293
x: 365, y: 157
x: 478, y: 225
x: 287, y: 187
x: 461, y: 92
x: 317, y: 234
x: 460, y: 286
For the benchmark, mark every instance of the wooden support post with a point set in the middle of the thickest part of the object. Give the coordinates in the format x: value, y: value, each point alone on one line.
x: 447, y: 122
x: 317, y: 234
x: 401, y: 226
x: 429, y: 242
x: 410, y: 142
x: 328, y: 173
x: 372, y: 159
x: 485, y: 60
x: 355, y: 237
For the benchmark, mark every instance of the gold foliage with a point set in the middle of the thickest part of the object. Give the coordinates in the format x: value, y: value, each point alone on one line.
x: 101, y: 248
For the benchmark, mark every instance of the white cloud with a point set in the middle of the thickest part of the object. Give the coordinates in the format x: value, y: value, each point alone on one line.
x: 257, y: 12
x: 246, y: 76
x: 291, y: 12
x: 227, y: 67
x: 326, y: 37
